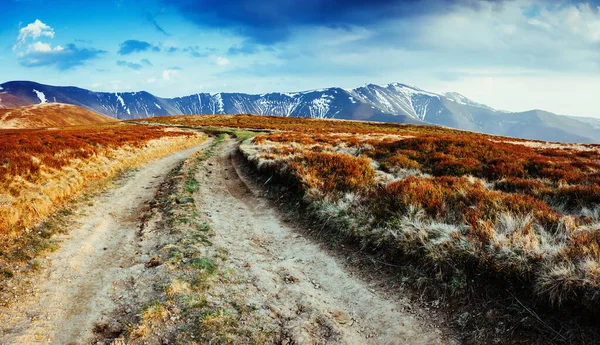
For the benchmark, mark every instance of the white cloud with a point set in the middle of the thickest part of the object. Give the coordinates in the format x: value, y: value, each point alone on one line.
x: 580, y: 21
x: 221, y: 61
x: 151, y: 80
x: 168, y: 74
x: 40, y: 47
x: 35, y: 30
x: 560, y: 93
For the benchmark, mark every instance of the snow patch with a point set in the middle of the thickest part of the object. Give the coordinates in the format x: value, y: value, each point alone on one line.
x: 158, y: 106
x: 320, y: 107
x: 120, y: 100
x: 41, y: 96
x: 457, y: 97
x: 220, y: 103
x: 352, y: 100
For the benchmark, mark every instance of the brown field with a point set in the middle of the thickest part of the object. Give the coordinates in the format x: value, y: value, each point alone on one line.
x: 524, y: 212
x: 42, y: 169
x: 49, y: 115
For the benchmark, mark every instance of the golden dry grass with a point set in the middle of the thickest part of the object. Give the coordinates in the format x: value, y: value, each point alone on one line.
x: 42, y: 169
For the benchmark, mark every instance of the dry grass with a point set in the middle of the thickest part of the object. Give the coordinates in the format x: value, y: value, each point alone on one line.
x: 42, y: 169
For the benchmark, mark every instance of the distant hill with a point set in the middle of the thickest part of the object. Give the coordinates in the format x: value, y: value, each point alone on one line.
x: 50, y: 115
x: 395, y: 102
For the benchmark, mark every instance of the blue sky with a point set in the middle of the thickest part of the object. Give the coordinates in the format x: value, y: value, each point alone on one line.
x: 512, y: 54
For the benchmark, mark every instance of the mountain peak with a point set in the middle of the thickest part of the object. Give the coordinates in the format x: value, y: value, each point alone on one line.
x: 455, y: 96
x: 460, y: 99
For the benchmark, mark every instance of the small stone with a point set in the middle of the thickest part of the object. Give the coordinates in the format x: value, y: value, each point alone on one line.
x: 115, y: 329
x: 153, y: 262
x: 341, y: 317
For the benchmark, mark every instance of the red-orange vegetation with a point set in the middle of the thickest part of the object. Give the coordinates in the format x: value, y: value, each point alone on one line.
x: 399, y: 161
x: 584, y: 243
x: 306, y: 125
x: 519, y: 215
x: 332, y: 173
x: 450, y: 154
x: 577, y: 196
x: 524, y: 186
x: 23, y: 152
x: 456, y: 200
x: 42, y: 169
x: 460, y: 155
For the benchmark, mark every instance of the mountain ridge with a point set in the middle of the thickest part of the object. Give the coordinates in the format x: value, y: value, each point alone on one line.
x: 394, y: 102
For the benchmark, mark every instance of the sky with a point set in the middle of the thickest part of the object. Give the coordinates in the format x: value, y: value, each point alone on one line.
x: 512, y: 55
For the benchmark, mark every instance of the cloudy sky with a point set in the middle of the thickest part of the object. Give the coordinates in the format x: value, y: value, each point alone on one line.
x: 512, y: 54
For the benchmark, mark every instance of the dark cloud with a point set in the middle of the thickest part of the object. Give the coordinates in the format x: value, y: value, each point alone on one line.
x: 67, y: 58
x: 132, y: 65
x: 134, y: 46
x: 268, y: 22
x: 198, y: 52
x: 152, y: 20
x: 172, y: 50
x: 248, y: 48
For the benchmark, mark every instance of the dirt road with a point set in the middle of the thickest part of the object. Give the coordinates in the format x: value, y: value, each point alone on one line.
x: 316, y: 299
x: 80, y: 281
x: 99, y: 270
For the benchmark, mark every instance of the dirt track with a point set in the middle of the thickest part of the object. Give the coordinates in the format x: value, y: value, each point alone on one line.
x: 316, y: 299
x: 100, y: 268
x: 80, y: 281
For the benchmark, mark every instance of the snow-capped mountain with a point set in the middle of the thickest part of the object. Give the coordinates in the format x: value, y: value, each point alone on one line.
x: 395, y: 102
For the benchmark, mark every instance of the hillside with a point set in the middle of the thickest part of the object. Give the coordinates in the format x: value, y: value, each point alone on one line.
x: 49, y: 115
x: 396, y: 102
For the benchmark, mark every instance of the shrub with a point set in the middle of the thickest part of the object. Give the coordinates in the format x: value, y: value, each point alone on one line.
x: 521, y: 185
x: 333, y: 173
x: 399, y: 161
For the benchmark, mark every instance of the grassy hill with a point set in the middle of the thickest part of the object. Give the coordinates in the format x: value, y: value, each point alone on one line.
x: 50, y: 115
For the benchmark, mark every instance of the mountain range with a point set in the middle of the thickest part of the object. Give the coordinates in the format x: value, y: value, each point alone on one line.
x: 394, y: 102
